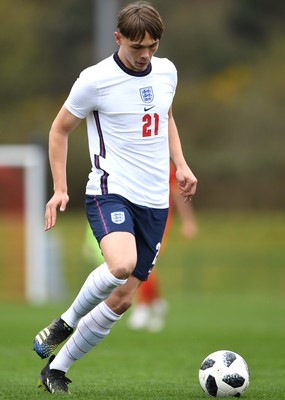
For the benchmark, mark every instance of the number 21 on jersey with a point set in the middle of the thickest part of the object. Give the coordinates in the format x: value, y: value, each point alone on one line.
x: 150, y: 125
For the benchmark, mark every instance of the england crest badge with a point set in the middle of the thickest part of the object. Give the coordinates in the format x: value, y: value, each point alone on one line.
x: 118, y: 217
x: 147, y: 94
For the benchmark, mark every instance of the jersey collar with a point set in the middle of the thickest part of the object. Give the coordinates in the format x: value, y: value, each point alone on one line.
x: 129, y: 71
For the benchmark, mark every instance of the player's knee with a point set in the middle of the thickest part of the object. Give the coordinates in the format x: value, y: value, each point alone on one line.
x: 123, y: 272
x: 123, y: 269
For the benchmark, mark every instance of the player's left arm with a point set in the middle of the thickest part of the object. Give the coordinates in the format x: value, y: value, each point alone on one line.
x: 187, y: 182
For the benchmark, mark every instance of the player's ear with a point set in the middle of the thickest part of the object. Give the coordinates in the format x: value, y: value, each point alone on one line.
x: 118, y: 38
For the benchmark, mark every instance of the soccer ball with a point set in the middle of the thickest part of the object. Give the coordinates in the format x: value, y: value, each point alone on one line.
x: 224, y: 374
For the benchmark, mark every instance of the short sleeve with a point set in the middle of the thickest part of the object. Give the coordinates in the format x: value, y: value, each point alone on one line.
x: 83, y: 97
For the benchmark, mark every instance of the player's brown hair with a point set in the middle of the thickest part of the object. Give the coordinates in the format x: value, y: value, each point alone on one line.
x: 138, y: 18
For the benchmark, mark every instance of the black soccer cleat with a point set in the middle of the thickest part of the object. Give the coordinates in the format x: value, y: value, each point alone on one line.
x: 53, y: 380
x: 48, y: 339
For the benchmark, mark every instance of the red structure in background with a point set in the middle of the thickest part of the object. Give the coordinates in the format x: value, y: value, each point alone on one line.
x: 12, y: 236
x: 11, y: 184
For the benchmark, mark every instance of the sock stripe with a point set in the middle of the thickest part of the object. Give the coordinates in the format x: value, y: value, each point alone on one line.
x: 96, y: 335
x: 102, y: 281
x: 97, y: 323
x: 78, y: 348
x: 96, y: 298
x: 109, y: 314
x: 76, y: 312
x: 99, y: 290
x: 69, y: 353
x: 106, y: 282
x: 104, y: 315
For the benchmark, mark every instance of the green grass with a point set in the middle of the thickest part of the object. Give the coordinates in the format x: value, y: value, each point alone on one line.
x: 225, y: 290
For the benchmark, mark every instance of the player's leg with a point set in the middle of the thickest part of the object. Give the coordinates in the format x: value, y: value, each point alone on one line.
x: 91, y: 330
x: 104, y: 279
x: 96, y: 288
x: 96, y: 325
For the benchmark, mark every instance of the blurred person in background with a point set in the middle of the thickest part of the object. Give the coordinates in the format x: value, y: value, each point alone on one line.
x: 127, y: 102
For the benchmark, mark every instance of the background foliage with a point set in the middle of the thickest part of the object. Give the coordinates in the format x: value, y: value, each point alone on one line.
x: 230, y: 56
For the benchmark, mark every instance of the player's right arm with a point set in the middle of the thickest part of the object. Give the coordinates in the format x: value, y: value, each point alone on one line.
x: 63, y: 125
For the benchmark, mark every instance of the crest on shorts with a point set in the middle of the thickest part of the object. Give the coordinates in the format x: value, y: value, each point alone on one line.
x: 118, y: 217
x: 146, y: 94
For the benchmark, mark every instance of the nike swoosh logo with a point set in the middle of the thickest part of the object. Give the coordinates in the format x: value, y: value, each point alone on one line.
x: 148, y: 108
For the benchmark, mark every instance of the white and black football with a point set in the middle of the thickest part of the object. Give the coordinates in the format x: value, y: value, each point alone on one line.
x: 224, y: 374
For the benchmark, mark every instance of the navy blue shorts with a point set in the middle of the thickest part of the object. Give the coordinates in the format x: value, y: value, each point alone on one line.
x: 113, y: 213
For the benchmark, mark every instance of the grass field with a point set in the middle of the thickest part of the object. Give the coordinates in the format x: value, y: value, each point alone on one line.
x: 226, y: 290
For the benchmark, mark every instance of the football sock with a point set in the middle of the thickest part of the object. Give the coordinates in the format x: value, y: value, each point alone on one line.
x: 91, y: 330
x: 97, y: 287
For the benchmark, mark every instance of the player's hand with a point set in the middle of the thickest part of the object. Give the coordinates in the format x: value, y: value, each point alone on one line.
x: 187, y: 183
x: 58, y: 200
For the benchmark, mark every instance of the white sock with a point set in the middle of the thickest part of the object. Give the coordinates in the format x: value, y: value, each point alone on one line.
x: 91, y: 330
x: 97, y: 287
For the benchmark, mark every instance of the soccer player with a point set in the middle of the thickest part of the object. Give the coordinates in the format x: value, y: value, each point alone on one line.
x: 126, y: 100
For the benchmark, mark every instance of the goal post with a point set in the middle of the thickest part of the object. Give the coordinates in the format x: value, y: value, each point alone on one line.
x: 32, y: 159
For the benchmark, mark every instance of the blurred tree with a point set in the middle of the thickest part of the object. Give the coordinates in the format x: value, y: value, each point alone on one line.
x: 66, y: 40
x: 20, y: 50
x: 44, y: 46
x: 255, y: 20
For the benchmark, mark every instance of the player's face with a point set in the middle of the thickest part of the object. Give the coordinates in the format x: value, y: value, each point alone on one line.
x: 136, y: 55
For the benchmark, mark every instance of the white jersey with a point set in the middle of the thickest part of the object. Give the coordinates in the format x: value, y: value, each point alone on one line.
x: 127, y: 124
